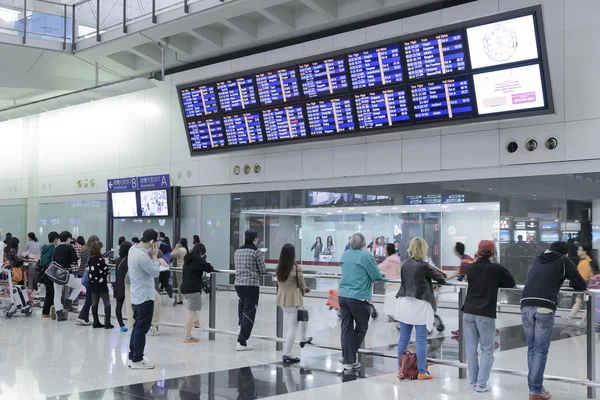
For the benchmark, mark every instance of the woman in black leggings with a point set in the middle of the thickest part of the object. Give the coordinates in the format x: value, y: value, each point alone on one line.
x: 99, y: 272
x: 119, y: 290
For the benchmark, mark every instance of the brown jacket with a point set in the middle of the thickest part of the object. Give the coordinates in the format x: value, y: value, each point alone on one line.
x: 291, y: 292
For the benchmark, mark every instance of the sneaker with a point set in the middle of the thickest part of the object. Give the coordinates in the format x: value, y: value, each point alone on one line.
x: 543, y: 396
x: 455, y: 333
x: 348, y: 367
x: 124, y: 329
x: 62, y: 315
x: 481, y: 389
x: 82, y: 322
x: 141, y: 365
x: 290, y: 360
x: 424, y: 377
x: 52, y: 313
x: 190, y: 339
x: 154, y: 330
x: 239, y: 347
x: 305, y: 342
x: 46, y: 316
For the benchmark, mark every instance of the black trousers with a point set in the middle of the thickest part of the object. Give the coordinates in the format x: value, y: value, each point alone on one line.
x: 247, y: 306
x: 355, y: 322
x: 49, y: 299
x: 119, y: 311
x: 163, y: 278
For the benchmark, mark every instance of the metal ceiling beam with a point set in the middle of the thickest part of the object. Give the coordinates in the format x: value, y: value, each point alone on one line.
x: 180, y: 44
x: 282, y: 16
x: 208, y: 35
x: 149, y: 52
x: 377, y: 4
x: 243, y: 26
x: 327, y: 8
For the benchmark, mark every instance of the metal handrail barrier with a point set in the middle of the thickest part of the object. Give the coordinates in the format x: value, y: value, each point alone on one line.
x: 590, y: 382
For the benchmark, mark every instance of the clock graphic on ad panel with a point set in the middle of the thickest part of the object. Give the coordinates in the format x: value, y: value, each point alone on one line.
x: 500, y: 43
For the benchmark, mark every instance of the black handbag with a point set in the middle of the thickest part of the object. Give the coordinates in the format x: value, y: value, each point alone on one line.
x: 56, y: 273
x: 302, y: 313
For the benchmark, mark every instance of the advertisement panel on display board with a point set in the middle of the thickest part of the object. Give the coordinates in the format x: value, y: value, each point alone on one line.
x: 509, y: 90
x: 503, y: 42
x: 124, y: 204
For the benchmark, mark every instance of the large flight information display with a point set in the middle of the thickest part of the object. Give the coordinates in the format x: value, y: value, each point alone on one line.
x: 325, y: 77
x: 330, y: 116
x: 206, y: 134
x: 237, y: 94
x: 381, y: 108
x: 445, y: 99
x: 375, y: 67
x: 473, y: 71
x: 243, y: 128
x: 286, y: 122
x: 280, y: 86
x: 435, y: 55
x: 199, y: 101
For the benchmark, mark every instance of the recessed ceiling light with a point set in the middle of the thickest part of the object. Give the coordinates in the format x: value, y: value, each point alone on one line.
x: 394, y: 208
x: 303, y: 212
x: 364, y: 212
x: 444, y: 206
x: 328, y: 213
x: 311, y: 209
x: 422, y: 209
x: 351, y: 209
x: 471, y: 208
x: 340, y: 211
x: 404, y: 211
x: 490, y: 189
x: 274, y: 210
x: 378, y: 210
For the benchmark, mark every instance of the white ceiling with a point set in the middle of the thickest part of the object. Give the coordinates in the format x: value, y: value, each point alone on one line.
x: 210, y: 29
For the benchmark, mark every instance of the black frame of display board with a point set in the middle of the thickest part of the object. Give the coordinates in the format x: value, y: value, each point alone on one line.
x: 541, y: 60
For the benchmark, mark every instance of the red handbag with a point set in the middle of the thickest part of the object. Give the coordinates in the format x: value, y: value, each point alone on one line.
x: 408, y: 366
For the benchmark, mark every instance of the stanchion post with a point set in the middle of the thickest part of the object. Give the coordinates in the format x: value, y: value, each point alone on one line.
x: 462, y: 355
x: 591, y: 344
x: 212, y: 307
x: 211, y: 386
x: 279, y: 322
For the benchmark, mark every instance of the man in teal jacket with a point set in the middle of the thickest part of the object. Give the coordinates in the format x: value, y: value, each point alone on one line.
x: 359, y: 270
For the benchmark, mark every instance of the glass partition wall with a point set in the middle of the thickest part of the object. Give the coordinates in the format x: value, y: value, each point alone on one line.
x: 522, y: 215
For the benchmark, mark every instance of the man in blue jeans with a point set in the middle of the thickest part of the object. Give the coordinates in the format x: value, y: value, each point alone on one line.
x: 143, y: 269
x: 538, y: 306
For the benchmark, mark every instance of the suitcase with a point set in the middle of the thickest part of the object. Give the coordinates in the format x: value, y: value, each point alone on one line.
x: 21, y: 302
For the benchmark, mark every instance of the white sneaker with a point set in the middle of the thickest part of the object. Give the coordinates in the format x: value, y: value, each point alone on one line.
x: 82, y: 322
x: 154, y: 331
x: 141, y: 365
x: 356, y: 365
x: 239, y: 347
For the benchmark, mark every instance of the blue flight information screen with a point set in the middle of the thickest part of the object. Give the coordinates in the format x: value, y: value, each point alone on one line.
x: 330, y: 116
x: 327, y: 77
x: 237, y: 94
x: 199, y: 101
x: 285, y: 122
x: 280, y: 86
x: 206, y: 134
x: 381, y: 108
x: 445, y: 99
x: 435, y: 55
x: 375, y: 67
x: 243, y: 128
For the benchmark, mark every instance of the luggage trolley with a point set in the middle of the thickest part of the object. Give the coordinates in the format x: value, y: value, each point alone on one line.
x: 19, y: 296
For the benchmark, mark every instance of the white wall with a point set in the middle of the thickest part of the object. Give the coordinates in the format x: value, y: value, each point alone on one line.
x: 143, y: 133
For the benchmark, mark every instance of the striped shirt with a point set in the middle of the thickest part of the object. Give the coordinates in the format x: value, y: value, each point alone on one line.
x: 249, y: 265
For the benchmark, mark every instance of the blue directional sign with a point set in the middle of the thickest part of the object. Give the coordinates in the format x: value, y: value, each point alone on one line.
x: 139, y: 182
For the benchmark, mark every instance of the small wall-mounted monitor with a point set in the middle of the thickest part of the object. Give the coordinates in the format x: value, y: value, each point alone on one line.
x: 124, y: 205
x: 154, y: 203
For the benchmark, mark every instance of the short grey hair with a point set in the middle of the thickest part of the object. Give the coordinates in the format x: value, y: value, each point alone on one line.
x: 357, y: 241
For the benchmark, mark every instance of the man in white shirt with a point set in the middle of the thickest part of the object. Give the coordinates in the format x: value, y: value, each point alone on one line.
x: 143, y: 269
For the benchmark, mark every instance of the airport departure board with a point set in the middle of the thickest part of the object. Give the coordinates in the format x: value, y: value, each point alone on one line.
x: 285, y: 122
x: 279, y: 86
x: 330, y: 116
x: 435, y: 55
x: 322, y: 78
x: 444, y: 99
x: 243, y: 128
x: 375, y: 67
x: 381, y: 108
x: 237, y: 94
x: 480, y: 70
x: 206, y: 134
x: 199, y: 101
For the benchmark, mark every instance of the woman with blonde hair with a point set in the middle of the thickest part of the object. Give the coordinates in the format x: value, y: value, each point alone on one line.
x: 416, y: 302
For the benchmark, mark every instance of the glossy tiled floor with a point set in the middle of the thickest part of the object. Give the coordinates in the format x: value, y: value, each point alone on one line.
x: 48, y: 360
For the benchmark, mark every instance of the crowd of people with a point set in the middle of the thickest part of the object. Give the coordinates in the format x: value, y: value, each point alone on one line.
x: 140, y: 263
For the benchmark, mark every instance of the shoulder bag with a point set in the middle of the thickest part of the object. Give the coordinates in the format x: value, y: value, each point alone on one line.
x: 302, y: 313
x: 56, y: 273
